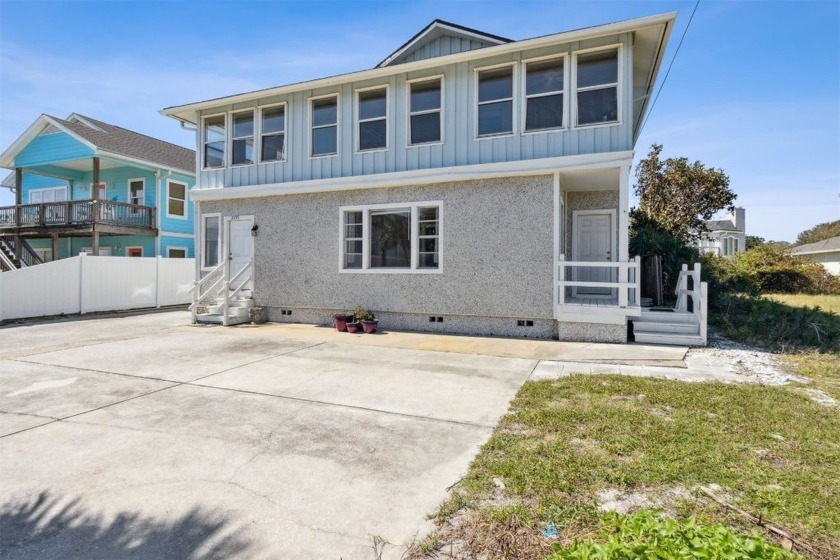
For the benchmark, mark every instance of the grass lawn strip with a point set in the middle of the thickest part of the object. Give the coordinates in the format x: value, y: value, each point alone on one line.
x: 636, y: 442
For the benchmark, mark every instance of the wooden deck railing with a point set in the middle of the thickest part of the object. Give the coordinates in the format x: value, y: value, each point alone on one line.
x: 77, y: 213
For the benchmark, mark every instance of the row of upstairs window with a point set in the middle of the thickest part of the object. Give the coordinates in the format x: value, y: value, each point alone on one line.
x: 595, y: 77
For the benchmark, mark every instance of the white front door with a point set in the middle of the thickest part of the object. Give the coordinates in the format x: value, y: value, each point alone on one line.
x: 593, y: 237
x: 241, y: 246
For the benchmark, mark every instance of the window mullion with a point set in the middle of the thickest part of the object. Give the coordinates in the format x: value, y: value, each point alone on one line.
x: 415, y: 238
x: 365, y: 239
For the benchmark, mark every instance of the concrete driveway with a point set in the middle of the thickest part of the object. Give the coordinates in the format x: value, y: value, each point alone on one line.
x: 141, y: 436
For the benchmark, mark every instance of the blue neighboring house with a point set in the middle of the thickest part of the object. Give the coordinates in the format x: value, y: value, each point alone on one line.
x: 140, y: 206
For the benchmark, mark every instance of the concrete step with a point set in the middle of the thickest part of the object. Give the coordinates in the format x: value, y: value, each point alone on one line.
x: 217, y: 319
x: 674, y: 328
x: 665, y: 317
x: 668, y: 339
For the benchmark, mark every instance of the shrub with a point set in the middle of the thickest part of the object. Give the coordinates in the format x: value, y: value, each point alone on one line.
x: 647, y: 534
x: 771, y: 270
x: 647, y: 239
x: 364, y: 314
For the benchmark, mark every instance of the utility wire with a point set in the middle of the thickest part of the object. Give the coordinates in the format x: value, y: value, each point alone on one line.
x: 667, y: 72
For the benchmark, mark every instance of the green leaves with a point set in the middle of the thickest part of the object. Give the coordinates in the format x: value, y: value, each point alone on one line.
x: 648, y: 534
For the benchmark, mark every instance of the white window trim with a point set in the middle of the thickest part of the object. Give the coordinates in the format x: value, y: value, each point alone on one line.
x: 259, y: 132
x: 514, y: 100
x: 44, y: 189
x: 204, y: 141
x: 441, y: 111
x: 101, y: 185
x: 310, y: 127
x: 523, y: 113
x: 134, y: 247
x: 415, y: 238
x: 618, y: 87
x: 357, y: 121
x: 184, y: 249
x: 230, y: 137
x: 186, y: 215
x: 128, y: 189
x: 202, y: 245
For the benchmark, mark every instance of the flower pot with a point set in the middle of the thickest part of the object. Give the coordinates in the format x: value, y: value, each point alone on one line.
x: 341, y: 320
x: 353, y: 327
x: 370, y: 326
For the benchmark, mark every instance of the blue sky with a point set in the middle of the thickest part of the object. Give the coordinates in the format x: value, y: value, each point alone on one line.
x: 755, y: 89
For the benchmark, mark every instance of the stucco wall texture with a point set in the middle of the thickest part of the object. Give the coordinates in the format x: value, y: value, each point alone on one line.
x: 496, y: 260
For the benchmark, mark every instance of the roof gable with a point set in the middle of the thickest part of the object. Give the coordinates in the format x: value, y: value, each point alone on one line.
x: 441, y: 38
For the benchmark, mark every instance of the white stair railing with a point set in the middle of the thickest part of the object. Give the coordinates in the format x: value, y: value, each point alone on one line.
x: 221, y: 287
x: 627, y: 280
x: 699, y: 294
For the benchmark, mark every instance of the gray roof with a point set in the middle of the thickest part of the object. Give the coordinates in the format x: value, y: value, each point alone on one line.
x: 132, y: 144
x: 826, y: 245
x: 721, y: 225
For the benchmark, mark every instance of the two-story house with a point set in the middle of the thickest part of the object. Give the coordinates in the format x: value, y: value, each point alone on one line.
x: 468, y: 183
x: 139, y: 207
x: 725, y: 238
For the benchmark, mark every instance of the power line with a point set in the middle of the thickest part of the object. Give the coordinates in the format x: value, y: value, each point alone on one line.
x: 667, y: 72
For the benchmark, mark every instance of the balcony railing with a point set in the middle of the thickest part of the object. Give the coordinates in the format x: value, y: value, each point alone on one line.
x: 77, y: 213
x: 598, y: 284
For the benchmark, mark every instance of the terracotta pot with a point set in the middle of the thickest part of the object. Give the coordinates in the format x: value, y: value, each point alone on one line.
x: 370, y: 326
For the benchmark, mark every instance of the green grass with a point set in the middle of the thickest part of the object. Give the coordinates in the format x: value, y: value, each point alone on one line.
x: 771, y: 449
x: 830, y: 303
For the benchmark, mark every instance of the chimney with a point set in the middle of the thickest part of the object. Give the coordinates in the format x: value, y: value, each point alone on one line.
x: 737, y: 218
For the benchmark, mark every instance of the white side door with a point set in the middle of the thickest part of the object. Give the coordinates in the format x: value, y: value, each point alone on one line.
x: 240, y: 246
x: 593, y: 243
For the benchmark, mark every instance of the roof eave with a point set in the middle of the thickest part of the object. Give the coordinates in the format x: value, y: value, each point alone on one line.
x: 188, y: 112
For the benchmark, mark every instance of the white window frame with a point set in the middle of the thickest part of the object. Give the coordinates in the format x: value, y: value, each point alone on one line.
x: 103, y: 186
x: 203, y: 245
x: 409, y: 114
x: 50, y: 189
x: 523, y: 113
x: 186, y: 215
x: 134, y: 247
x: 618, y: 86
x: 128, y: 189
x: 310, y: 127
x: 204, y: 141
x: 171, y: 247
x: 231, y: 138
x: 415, y: 237
x: 514, y: 101
x: 357, y: 120
x: 258, y: 131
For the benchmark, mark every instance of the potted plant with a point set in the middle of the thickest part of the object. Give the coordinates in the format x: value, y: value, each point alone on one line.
x: 368, y: 320
x: 354, y: 326
x: 341, y: 320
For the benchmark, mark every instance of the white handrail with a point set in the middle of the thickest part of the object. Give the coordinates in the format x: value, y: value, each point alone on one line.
x: 699, y: 294
x: 627, y: 273
x: 221, y: 287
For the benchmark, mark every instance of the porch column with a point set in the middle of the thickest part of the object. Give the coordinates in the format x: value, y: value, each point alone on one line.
x: 54, y: 246
x: 94, y: 194
x: 624, y: 213
x: 18, y: 202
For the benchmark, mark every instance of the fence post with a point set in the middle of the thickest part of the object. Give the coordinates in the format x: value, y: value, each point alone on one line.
x: 82, y: 256
x: 157, y: 281
x: 704, y: 312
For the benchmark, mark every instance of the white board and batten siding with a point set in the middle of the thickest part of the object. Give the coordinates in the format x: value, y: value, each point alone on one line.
x: 87, y: 284
x: 459, y: 145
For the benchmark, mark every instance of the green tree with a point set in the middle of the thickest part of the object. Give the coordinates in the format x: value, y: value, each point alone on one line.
x: 754, y: 241
x: 680, y: 196
x: 819, y: 232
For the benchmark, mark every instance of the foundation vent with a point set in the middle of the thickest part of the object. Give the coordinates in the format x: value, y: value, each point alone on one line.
x: 525, y: 323
x: 285, y: 312
x: 435, y: 319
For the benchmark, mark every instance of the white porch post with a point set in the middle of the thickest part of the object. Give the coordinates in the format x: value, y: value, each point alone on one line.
x: 624, y: 213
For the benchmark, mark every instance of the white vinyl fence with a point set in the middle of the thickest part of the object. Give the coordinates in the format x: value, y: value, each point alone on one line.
x: 84, y: 284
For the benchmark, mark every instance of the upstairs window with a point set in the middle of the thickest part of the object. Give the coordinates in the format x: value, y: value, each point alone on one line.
x: 597, y: 87
x: 495, y: 101
x: 325, y: 127
x: 214, y: 141
x: 136, y: 190
x: 242, y: 139
x: 544, y: 95
x: 373, y: 122
x: 273, y: 134
x: 425, y: 112
x: 176, y: 205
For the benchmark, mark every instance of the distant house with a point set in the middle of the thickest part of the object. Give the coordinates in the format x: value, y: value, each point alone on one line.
x: 826, y: 252
x: 725, y: 238
x: 467, y: 183
x: 82, y: 185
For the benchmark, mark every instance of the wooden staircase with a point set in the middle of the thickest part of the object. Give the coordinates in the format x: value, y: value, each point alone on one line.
x: 685, y: 325
x: 9, y: 259
x: 224, y: 298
